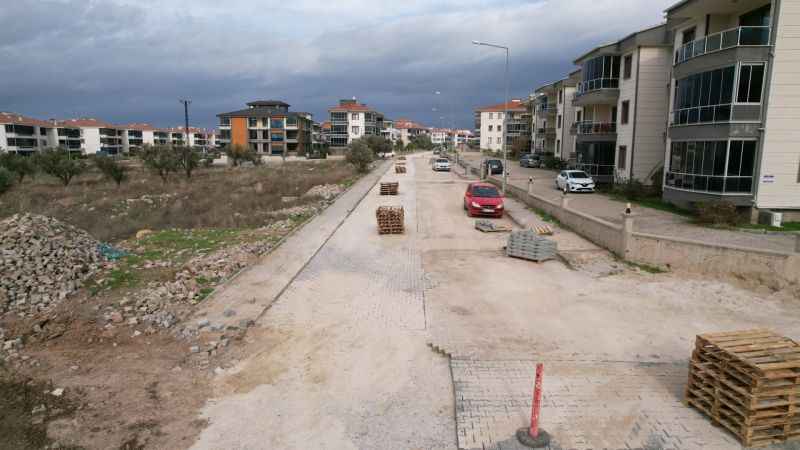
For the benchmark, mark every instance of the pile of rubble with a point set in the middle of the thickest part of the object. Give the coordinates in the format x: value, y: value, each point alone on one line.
x: 42, y: 261
x: 325, y: 191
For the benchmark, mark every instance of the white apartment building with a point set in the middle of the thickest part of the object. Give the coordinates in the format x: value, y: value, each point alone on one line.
x: 390, y: 132
x: 490, y: 123
x: 351, y: 120
x: 441, y: 136
x: 20, y: 134
x: 621, y: 103
x: 409, y: 130
x: 734, y: 99
x: 136, y: 135
x: 554, y: 118
x: 96, y: 136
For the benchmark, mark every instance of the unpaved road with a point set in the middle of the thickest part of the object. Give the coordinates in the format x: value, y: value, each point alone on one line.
x: 344, y: 358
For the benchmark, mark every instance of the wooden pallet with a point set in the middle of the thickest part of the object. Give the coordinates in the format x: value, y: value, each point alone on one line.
x: 543, y: 230
x: 389, y: 188
x: 749, y: 383
x: 391, y: 219
x: 400, y: 169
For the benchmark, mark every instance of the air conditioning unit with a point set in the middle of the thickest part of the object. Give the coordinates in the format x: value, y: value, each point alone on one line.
x: 771, y: 218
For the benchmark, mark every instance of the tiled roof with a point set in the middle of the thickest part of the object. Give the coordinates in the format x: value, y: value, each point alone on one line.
x: 513, y: 105
x: 351, y: 107
x: 326, y: 125
x: 17, y: 119
x: 84, y: 122
x: 406, y: 124
x: 137, y: 126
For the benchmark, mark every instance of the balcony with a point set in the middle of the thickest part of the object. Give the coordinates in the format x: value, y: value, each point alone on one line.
x: 600, y: 91
x: 734, y: 37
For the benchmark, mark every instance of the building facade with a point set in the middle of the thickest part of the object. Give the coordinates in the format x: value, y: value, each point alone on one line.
x: 268, y: 127
x: 409, y: 129
x: 494, y: 129
x: 734, y: 101
x: 20, y: 134
x: 351, y: 120
x: 554, y: 118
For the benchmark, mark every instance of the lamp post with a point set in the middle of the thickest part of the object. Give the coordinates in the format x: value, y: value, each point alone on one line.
x: 505, y: 113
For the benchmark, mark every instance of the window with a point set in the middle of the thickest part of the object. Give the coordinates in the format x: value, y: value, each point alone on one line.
x: 354, y: 116
x: 600, y: 73
x: 276, y: 123
x: 265, y: 122
x: 558, y: 147
x: 253, y: 134
x: 622, y: 157
x: 579, y: 116
x: 490, y: 141
x: 688, y: 35
x: 558, y: 121
x: 491, y: 115
x: 355, y: 130
x: 561, y: 96
x: 751, y: 83
x: 626, y: 110
x: 499, y: 128
x: 252, y: 122
x: 713, y: 166
x: 225, y: 121
x: 704, y: 97
x: 626, y: 73
x: 500, y: 140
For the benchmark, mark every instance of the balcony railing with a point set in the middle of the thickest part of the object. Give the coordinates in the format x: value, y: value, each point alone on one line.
x: 702, y: 114
x: 593, y: 128
x: 598, y: 170
x: 735, y: 37
x: 597, y: 84
x: 547, y: 108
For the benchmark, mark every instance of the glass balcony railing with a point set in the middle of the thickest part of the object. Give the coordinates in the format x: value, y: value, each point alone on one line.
x: 735, y: 37
x: 595, y: 128
x: 702, y: 114
x: 597, y: 84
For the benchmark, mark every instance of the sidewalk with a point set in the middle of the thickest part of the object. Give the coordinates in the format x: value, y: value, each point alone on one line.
x: 648, y: 220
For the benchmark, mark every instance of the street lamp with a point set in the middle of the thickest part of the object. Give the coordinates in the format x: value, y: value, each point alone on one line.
x: 452, y: 119
x: 505, y: 113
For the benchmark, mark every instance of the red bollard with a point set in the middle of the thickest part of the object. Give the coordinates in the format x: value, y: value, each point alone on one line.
x: 532, y: 436
x: 537, y: 401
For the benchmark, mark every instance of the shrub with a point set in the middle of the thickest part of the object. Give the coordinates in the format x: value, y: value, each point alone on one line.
x: 632, y: 190
x: 657, y: 180
x: 359, y: 155
x: 111, y: 169
x: 6, y: 179
x: 60, y: 164
x: 239, y: 154
x: 21, y: 166
x: 422, y: 142
x: 160, y: 160
x: 553, y: 163
x: 188, y: 159
x: 378, y: 144
x: 717, y: 212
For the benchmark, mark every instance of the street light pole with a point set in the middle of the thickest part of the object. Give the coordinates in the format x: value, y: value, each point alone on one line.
x: 505, y: 112
x: 186, y: 117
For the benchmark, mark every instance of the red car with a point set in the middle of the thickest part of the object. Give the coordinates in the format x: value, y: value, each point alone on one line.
x: 483, y: 199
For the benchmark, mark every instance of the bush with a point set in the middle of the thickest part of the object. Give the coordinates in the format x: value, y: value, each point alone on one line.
x: 378, y: 144
x: 422, y: 142
x: 21, y: 166
x: 111, y: 169
x: 717, y: 212
x: 657, y: 180
x: 161, y: 160
x: 188, y: 159
x: 60, y: 164
x: 6, y: 179
x: 632, y: 190
x: 360, y: 155
x: 553, y: 163
x: 239, y: 154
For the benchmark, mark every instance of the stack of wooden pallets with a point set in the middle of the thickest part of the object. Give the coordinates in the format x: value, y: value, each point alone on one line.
x: 391, y: 219
x: 402, y: 158
x: 389, y: 188
x: 749, y: 383
x: 400, y: 167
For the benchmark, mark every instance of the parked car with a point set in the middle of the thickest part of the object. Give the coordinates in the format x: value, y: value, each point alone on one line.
x: 483, y: 199
x: 384, y: 155
x: 441, y: 164
x: 530, y: 160
x: 493, y: 166
x: 574, y: 181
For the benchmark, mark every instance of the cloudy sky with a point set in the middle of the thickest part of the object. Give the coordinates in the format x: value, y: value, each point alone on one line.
x: 131, y: 60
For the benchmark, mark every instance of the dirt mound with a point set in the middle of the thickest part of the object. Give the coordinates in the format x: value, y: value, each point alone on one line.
x: 42, y: 261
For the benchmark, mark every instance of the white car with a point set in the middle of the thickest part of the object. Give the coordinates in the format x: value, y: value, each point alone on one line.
x: 441, y: 164
x: 574, y: 181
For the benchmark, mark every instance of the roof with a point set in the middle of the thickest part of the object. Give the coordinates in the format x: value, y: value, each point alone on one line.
x: 513, y: 105
x: 326, y: 125
x: 137, y: 126
x: 407, y: 124
x: 615, y: 44
x: 18, y: 119
x: 260, y: 112
x: 268, y: 103
x: 351, y: 107
x: 84, y: 122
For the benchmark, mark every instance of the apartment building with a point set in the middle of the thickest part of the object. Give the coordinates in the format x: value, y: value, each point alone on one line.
x: 351, y: 120
x: 441, y: 136
x: 621, y: 103
x: 554, y: 118
x: 20, y: 134
x: 135, y: 136
x: 268, y: 127
x: 390, y: 132
x: 734, y: 101
x: 409, y: 130
x: 490, y: 122
x: 96, y: 136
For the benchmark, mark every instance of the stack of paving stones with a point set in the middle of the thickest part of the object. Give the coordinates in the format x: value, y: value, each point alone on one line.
x: 391, y: 219
x: 527, y: 244
x: 389, y: 188
x: 400, y: 167
x: 42, y: 261
x: 749, y: 383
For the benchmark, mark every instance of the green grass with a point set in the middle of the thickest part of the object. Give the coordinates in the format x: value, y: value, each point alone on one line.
x: 545, y: 216
x: 650, y: 202
x: 788, y: 227
x: 645, y: 267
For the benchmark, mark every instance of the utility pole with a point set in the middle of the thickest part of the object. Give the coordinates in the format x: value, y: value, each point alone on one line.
x: 186, y: 104
x: 504, y: 133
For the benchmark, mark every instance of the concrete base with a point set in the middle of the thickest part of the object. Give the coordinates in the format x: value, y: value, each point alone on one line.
x: 541, y: 441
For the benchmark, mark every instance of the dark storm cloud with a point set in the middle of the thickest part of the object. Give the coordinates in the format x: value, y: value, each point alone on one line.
x: 130, y: 61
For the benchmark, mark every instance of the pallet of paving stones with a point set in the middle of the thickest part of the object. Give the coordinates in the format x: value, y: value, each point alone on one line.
x: 399, y: 168
x: 526, y: 244
x: 402, y: 158
x: 389, y: 188
x: 391, y: 219
x: 749, y: 383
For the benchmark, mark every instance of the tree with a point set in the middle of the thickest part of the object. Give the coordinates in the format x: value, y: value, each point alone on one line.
x: 21, y: 166
x: 60, y: 164
x: 111, y: 169
x: 161, y: 160
x: 378, y: 145
x: 6, y: 179
x: 520, y: 145
x: 398, y: 146
x: 237, y: 153
x: 422, y: 142
x: 188, y: 159
x: 360, y: 155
